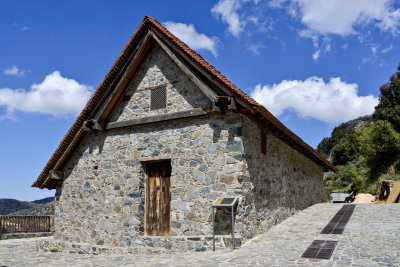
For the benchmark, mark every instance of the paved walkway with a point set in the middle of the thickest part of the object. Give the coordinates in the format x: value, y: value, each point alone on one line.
x: 371, y: 238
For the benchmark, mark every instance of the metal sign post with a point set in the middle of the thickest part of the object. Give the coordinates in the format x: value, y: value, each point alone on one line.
x: 225, y: 202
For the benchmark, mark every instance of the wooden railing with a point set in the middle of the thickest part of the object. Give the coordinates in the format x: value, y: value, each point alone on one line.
x: 25, y: 224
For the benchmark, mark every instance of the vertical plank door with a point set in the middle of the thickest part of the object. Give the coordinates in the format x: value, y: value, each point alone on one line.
x: 158, y: 199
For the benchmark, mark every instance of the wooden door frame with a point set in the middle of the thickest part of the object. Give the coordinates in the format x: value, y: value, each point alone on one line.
x: 146, y: 166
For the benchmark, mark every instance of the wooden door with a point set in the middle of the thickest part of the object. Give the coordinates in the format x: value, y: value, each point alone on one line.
x: 158, y: 199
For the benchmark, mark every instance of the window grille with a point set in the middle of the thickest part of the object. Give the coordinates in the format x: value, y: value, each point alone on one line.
x: 158, y: 98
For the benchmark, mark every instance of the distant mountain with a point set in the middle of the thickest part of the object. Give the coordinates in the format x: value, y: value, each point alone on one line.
x: 12, y: 205
x: 43, y: 206
x: 43, y: 200
x: 37, y: 210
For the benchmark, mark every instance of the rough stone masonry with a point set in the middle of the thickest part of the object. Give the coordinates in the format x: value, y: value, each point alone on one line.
x: 102, y: 200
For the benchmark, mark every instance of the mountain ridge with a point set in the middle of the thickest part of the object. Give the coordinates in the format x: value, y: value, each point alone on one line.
x: 9, y: 206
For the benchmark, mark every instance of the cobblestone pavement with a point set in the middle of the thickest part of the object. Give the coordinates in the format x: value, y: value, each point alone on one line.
x: 371, y: 238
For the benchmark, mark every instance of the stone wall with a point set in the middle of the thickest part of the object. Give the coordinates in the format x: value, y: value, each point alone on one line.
x: 102, y: 201
x: 159, y: 69
x: 276, y: 184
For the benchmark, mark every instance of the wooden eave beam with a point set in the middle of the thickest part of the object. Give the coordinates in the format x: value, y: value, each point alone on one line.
x: 79, y: 138
x: 46, y: 181
x: 91, y: 126
x: 157, y: 118
x: 98, y: 125
x: 106, y: 108
x: 232, y: 104
x: 83, y: 133
x: 87, y: 126
x: 284, y: 138
x: 56, y: 175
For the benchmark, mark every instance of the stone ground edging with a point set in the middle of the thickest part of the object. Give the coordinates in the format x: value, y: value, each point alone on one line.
x: 147, y: 245
x: 24, y: 235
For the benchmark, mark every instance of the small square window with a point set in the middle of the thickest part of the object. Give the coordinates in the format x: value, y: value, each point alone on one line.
x: 158, y: 98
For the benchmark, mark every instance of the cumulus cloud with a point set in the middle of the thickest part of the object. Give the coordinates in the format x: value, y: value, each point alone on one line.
x: 15, y: 71
x: 333, y: 102
x: 188, y: 34
x: 56, y: 95
x: 227, y: 10
x: 340, y: 17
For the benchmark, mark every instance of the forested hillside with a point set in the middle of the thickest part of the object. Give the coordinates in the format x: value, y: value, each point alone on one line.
x: 16, y: 207
x: 11, y: 205
x: 368, y: 148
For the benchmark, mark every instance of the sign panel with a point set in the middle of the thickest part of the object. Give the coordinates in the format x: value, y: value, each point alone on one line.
x: 225, y: 201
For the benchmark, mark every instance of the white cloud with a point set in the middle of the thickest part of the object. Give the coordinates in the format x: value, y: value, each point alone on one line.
x: 25, y: 28
x: 228, y: 11
x: 189, y: 35
x: 341, y: 17
x: 261, y: 24
x: 255, y: 48
x: 15, y: 71
x: 387, y: 49
x: 371, y: 58
x: 333, y: 102
x: 316, y: 55
x: 276, y: 3
x: 56, y: 95
x: 322, y: 45
x: 374, y: 49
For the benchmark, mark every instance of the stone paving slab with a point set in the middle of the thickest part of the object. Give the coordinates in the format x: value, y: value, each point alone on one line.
x: 371, y: 238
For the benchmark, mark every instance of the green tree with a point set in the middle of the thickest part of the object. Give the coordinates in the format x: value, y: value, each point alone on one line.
x: 389, y: 101
x: 341, y: 134
x: 357, y: 184
x: 396, y: 166
x: 346, y: 151
x: 380, y: 146
x: 339, y: 181
x: 337, y: 136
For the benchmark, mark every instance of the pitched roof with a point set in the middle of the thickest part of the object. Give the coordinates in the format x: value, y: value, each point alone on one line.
x: 281, y: 131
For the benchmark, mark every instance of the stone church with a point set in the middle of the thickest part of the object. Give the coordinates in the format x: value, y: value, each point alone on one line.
x: 162, y: 137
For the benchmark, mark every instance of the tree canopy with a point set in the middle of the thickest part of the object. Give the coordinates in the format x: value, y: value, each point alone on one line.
x: 389, y: 101
x: 368, y: 147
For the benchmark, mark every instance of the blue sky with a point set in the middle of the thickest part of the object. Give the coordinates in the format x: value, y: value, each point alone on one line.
x: 314, y: 64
